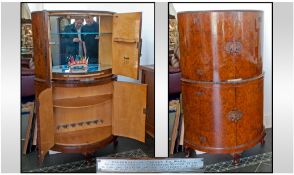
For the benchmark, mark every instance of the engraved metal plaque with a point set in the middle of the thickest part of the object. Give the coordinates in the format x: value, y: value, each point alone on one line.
x: 150, y: 165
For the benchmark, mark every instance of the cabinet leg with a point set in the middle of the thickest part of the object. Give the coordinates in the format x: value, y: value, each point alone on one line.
x: 88, y: 157
x: 262, y: 141
x: 236, y: 158
x: 187, y: 151
x: 115, y: 142
x: 41, y: 157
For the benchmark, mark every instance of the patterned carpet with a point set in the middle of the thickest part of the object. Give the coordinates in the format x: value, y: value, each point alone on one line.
x: 225, y: 166
x: 83, y: 164
x: 244, y: 162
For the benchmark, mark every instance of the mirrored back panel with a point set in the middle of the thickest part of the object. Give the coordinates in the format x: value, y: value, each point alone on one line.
x: 80, y: 43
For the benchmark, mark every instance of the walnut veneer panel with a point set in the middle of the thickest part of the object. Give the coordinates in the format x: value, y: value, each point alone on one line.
x: 207, y: 108
x: 221, y: 115
x: 221, y: 45
x: 249, y: 99
x: 40, y: 42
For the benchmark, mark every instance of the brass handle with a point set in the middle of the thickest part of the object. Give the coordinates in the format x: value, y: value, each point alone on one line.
x: 235, y: 115
x: 199, y: 93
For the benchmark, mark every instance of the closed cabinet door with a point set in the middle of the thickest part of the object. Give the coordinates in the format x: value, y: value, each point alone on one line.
x: 192, y: 113
x: 248, y: 44
x: 249, y: 100
x: 206, y: 121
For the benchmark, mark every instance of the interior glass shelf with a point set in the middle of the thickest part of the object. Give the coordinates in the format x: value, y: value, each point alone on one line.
x: 82, y: 33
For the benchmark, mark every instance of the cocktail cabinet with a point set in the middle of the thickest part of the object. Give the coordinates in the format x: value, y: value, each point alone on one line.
x: 81, y: 106
x: 222, y: 80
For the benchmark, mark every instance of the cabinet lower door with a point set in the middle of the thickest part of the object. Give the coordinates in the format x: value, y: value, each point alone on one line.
x: 129, y: 110
x: 45, y: 122
x: 207, y: 126
x: 249, y: 99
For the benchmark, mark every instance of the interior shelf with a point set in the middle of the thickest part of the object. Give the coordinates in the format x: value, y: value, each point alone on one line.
x: 79, y: 102
x: 83, y: 33
x: 83, y: 137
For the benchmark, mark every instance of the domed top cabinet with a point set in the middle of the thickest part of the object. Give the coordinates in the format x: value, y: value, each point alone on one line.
x: 222, y: 79
x: 80, y: 104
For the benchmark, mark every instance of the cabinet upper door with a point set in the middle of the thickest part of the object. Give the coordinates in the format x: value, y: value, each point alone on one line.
x: 41, y: 54
x: 126, y: 44
x: 129, y: 110
x: 45, y: 122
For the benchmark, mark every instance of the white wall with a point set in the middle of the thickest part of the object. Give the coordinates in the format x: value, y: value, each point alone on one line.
x: 147, y: 10
x: 267, y: 42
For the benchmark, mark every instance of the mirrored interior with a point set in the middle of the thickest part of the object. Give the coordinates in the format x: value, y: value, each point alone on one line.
x: 74, y: 43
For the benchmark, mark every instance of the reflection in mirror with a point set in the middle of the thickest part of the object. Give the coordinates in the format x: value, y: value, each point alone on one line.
x: 74, y: 37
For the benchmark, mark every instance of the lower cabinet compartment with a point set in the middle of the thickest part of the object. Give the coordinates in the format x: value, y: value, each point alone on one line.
x: 223, y: 118
x: 72, y: 119
x: 82, y: 115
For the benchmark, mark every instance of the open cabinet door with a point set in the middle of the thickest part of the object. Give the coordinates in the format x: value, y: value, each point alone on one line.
x: 126, y: 44
x: 45, y: 122
x: 129, y: 110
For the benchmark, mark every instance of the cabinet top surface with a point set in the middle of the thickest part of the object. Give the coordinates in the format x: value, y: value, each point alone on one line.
x: 147, y: 67
x: 86, y: 12
x: 223, y: 11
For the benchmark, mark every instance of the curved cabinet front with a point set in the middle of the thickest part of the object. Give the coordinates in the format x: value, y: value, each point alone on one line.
x: 222, y: 79
x: 220, y: 45
x: 223, y: 118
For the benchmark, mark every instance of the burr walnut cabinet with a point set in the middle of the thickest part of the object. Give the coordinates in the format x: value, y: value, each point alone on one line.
x: 82, y: 110
x: 222, y: 80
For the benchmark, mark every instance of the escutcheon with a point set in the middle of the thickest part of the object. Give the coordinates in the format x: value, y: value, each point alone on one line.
x: 233, y: 47
x: 235, y: 115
